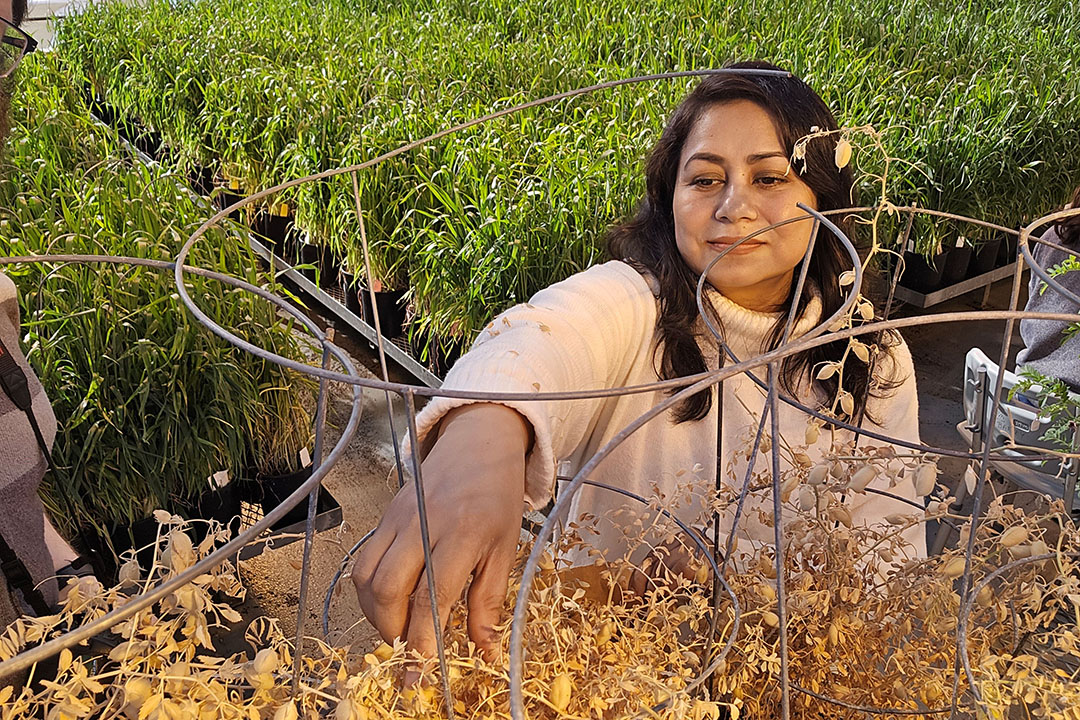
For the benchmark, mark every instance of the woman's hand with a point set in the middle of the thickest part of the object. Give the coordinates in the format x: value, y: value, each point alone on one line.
x: 474, y: 489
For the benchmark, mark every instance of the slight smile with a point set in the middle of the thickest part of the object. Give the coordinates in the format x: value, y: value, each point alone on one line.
x: 724, y: 243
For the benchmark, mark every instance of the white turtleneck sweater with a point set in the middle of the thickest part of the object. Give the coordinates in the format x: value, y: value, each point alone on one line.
x: 597, y: 329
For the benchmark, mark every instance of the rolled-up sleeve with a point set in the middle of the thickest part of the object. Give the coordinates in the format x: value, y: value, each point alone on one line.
x: 583, y: 333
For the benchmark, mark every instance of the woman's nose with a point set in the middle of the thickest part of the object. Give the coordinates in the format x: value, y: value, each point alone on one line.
x: 735, y: 203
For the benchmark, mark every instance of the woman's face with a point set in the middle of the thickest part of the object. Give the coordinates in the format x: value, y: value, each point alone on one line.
x: 733, y: 179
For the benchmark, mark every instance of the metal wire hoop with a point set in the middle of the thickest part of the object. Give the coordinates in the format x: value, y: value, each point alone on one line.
x: 685, y: 386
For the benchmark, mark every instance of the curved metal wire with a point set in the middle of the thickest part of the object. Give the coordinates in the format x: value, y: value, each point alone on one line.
x: 680, y: 389
x: 73, y: 637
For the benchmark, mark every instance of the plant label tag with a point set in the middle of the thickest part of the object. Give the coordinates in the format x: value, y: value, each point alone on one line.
x: 961, y: 241
x: 305, y: 457
x: 219, y: 479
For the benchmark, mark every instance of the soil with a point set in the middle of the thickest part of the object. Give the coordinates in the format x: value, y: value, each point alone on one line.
x: 360, y: 483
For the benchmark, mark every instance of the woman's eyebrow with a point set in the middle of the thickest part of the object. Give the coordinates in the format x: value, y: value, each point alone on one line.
x: 719, y: 160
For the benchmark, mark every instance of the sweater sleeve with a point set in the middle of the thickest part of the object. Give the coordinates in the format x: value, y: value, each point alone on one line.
x: 895, y: 414
x: 583, y: 333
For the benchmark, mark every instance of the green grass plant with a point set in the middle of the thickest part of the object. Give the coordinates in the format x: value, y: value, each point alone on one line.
x: 980, y: 98
x: 149, y: 403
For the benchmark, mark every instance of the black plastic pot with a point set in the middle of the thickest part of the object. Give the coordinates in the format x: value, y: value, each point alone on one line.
x: 270, y: 491
x: 329, y: 270
x: 441, y: 354
x: 1007, y: 250
x: 956, y: 263
x: 921, y: 275
x: 390, y: 305
x: 224, y: 199
x: 273, y: 229
x: 202, y: 180
x: 224, y: 505
x: 308, y: 254
x: 149, y: 142
x: 985, y: 256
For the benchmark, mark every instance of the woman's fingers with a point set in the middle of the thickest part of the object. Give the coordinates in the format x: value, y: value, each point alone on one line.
x: 453, y: 563
x: 487, y: 595
x: 392, y: 585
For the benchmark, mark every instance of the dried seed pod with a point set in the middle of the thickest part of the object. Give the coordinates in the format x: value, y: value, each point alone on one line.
x: 702, y: 575
x: 788, y: 486
x: 925, y: 479
x: 1039, y: 548
x: 1020, y: 551
x: 900, y: 691
x: 770, y: 618
x: 802, y: 459
x: 866, y: 310
x: 847, y: 403
x: 384, y: 652
x: 897, y: 518
x: 266, y: 661
x: 813, y: 431
x: 842, y: 154
x: 837, y: 470
x: 840, y: 514
x: 932, y: 693
x: 818, y: 474
x: 823, y: 499
x: 604, y: 633
x: 137, y: 691
x: 984, y: 597
x: 885, y: 554
x: 862, y: 478
x: 349, y: 710
x: 807, y: 498
x: 559, y: 692
x: 834, y: 634
x: 130, y: 573
x: 827, y: 370
x: 767, y: 592
x: 287, y: 712
x: 1013, y: 536
x: 860, y: 350
x: 766, y: 444
x: 954, y: 568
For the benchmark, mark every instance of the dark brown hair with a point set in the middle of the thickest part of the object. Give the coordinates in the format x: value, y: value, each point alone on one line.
x: 648, y: 239
x: 18, y: 11
x: 1068, y: 230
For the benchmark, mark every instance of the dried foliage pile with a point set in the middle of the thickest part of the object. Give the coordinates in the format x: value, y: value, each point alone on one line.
x: 878, y: 633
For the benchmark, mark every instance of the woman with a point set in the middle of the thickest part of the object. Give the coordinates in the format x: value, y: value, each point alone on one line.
x: 1047, y: 350
x: 719, y: 172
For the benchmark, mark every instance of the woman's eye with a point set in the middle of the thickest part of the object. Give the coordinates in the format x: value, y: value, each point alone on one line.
x: 705, y: 182
x: 771, y: 180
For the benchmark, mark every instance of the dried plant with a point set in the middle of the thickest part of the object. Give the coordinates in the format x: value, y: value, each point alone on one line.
x: 866, y: 626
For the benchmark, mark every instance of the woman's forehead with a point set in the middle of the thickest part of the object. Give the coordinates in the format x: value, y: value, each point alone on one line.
x: 740, y: 129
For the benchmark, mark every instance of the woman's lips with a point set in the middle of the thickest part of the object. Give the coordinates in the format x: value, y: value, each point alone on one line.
x: 746, y: 247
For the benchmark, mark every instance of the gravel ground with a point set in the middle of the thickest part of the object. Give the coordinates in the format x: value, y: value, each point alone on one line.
x: 361, y: 484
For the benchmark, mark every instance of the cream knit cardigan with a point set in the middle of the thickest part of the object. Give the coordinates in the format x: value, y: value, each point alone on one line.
x: 597, y: 329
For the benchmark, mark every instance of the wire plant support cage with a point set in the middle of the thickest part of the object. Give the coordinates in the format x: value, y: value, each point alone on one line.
x: 325, y: 457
